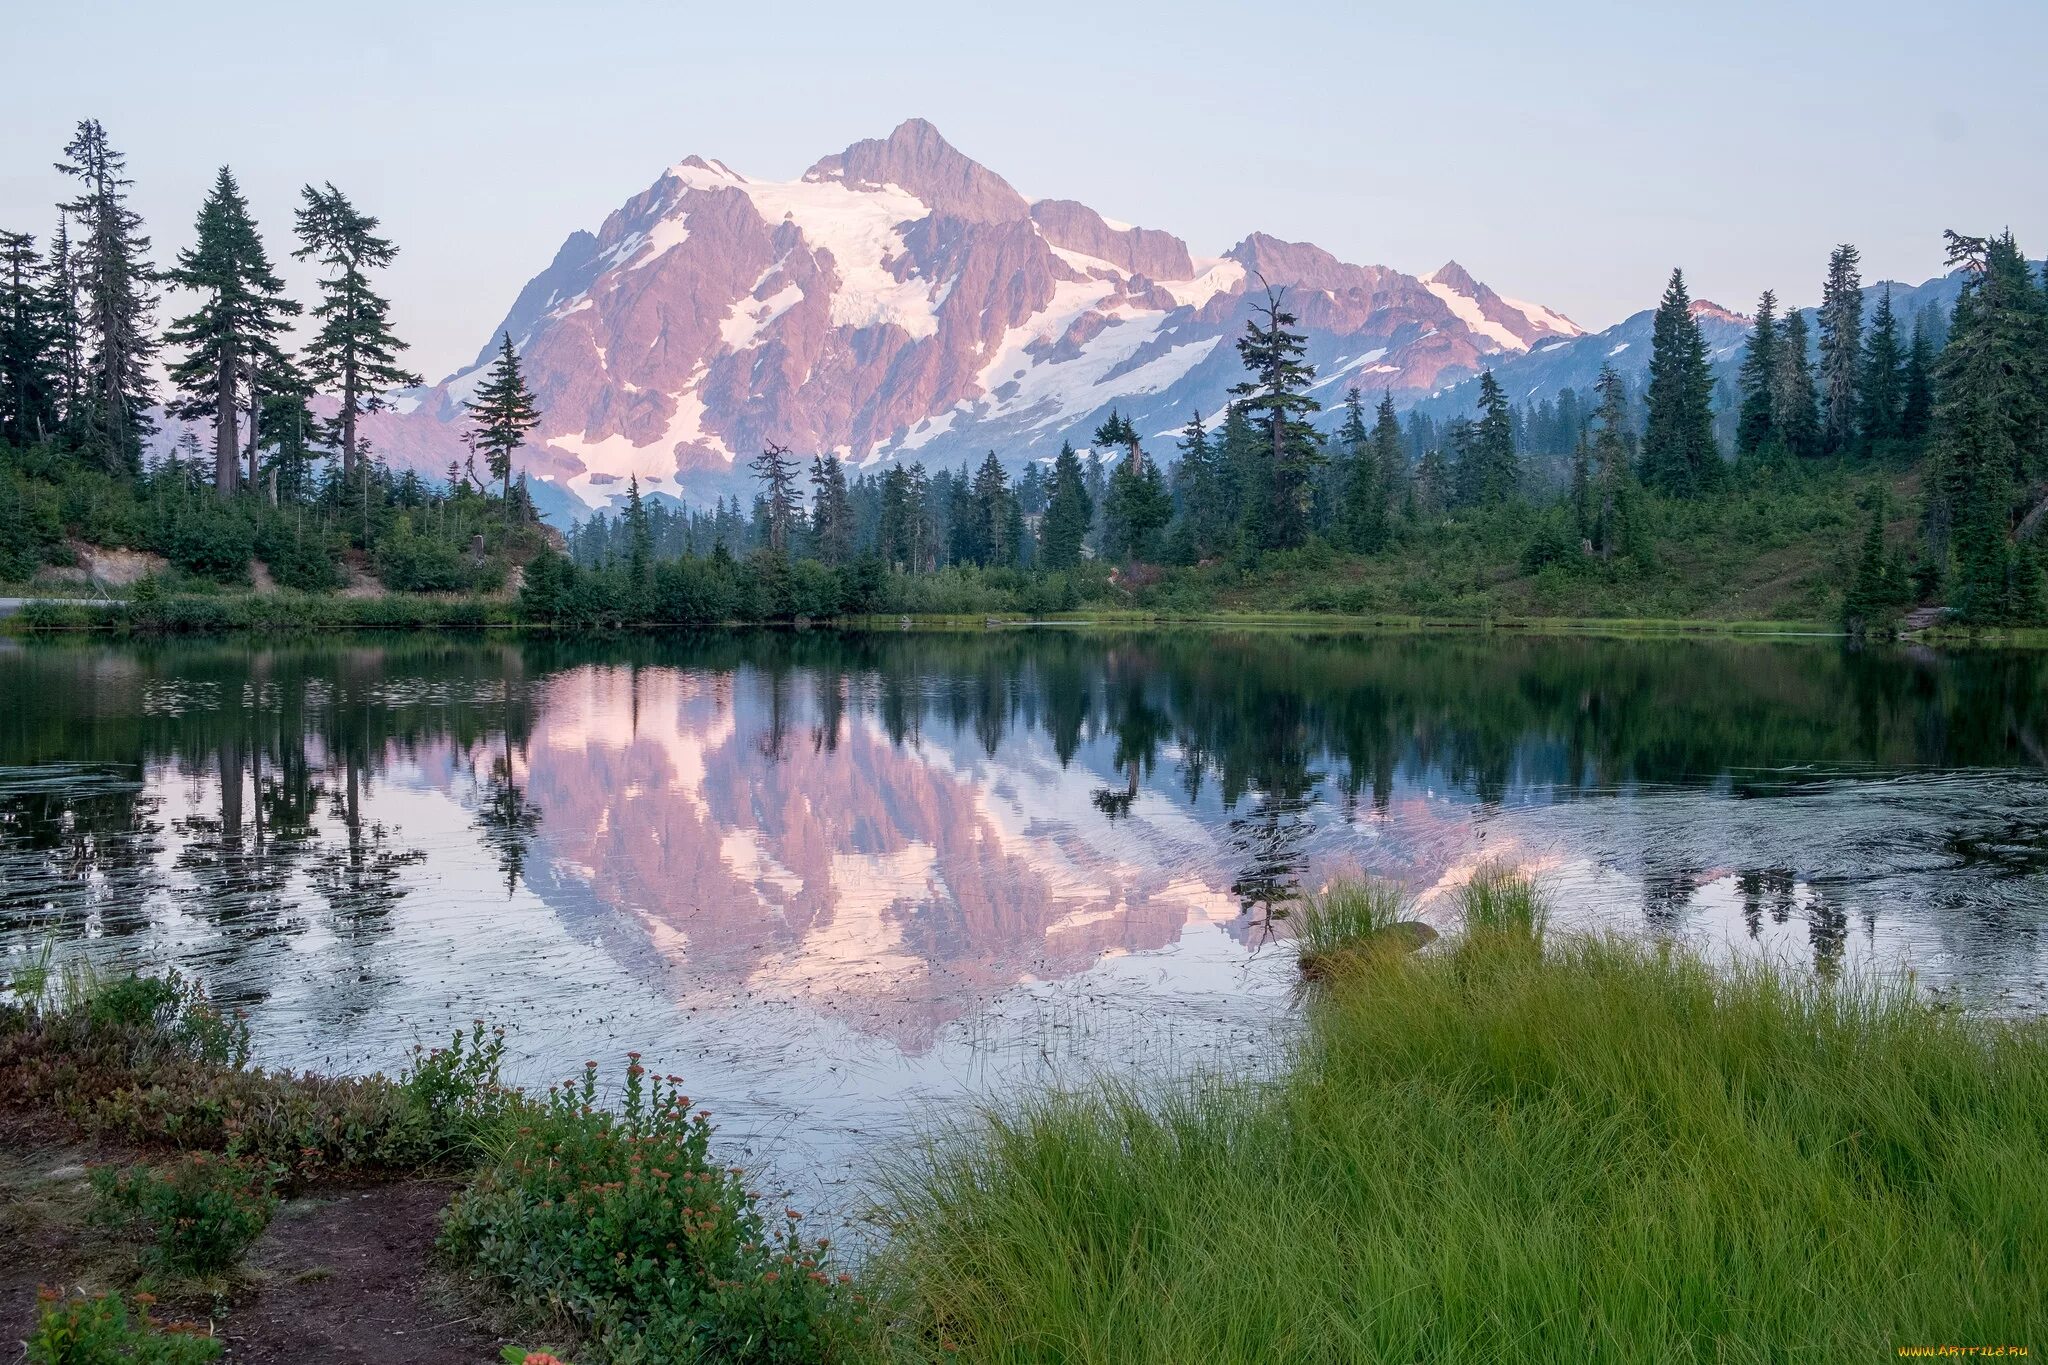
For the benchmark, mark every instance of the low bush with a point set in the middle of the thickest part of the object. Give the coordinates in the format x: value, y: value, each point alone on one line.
x: 99, y: 1330
x: 203, y: 1211
x: 624, y: 1224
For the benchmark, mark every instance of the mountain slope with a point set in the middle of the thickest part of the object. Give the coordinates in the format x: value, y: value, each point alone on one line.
x: 901, y: 301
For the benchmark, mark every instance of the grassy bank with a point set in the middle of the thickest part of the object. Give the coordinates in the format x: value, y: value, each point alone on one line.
x: 1499, y: 1148
x: 1510, y: 1151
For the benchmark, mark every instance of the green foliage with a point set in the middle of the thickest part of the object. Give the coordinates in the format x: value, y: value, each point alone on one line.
x: 98, y: 1330
x: 410, y: 562
x: 624, y: 1224
x: 203, y: 1212
x: 1580, y: 1150
x: 208, y: 540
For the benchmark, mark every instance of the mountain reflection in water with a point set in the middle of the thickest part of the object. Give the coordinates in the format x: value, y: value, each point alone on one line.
x: 836, y: 874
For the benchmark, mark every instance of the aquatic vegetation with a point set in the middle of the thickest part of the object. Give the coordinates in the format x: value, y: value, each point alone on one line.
x: 1498, y: 899
x: 622, y: 1224
x: 99, y: 1330
x: 203, y: 1211
x: 1351, y: 917
x: 1511, y: 1149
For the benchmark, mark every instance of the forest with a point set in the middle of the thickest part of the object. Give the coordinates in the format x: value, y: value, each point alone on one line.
x: 1858, y: 469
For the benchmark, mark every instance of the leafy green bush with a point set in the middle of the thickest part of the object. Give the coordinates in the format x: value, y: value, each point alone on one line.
x: 209, y: 541
x: 626, y: 1224
x: 97, y: 1330
x: 203, y: 1212
x: 408, y: 561
x: 298, y: 558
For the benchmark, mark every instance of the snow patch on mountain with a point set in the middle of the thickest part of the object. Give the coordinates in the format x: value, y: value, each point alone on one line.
x: 1466, y: 309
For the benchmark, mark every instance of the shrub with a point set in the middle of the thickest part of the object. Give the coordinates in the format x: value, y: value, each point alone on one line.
x: 297, y: 558
x: 98, y: 1330
x: 410, y: 562
x: 203, y: 1212
x: 623, y: 1223
x: 208, y: 541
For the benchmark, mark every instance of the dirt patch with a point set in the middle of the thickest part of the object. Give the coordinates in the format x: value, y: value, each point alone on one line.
x: 259, y: 574
x: 347, y: 1274
x: 360, y: 584
x: 102, y: 566
x: 343, y: 1274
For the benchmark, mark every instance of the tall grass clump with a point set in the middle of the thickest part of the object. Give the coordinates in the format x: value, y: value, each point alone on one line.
x: 1346, y: 918
x: 1512, y: 1149
x: 1501, y: 900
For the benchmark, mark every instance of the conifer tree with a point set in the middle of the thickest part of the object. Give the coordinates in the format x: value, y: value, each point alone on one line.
x: 1754, y: 433
x: 1795, y: 413
x: 1841, y: 351
x: 1135, y: 508
x: 1388, y: 453
x: 995, y: 516
x: 1882, y: 390
x: 233, y: 332
x: 1679, y: 454
x: 1068, y: 512
x: 1198, y: 482
x: 776, y: 469
x: 1276, y: 398
x: 1991, y: 430
x: 1609, y: 460
x: 28, y: 376
x: 501, y: 414
x: 831, y: 512
x: 639, y: 537
x: 1876, y: 593
x: 67, y: 328
x: 1916, y: 407
x: 114, y: 285
x: 1497, y: 478
x: 353, y: 353
x: 1117, y: 430
x: 1364, y: 521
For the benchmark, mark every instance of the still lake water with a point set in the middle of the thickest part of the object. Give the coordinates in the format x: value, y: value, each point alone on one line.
x: 843, y: 882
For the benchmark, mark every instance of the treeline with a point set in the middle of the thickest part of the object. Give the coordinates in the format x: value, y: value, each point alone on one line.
x: 303, y: 492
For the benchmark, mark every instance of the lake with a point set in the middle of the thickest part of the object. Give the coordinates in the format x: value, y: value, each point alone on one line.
x: 843, y: 882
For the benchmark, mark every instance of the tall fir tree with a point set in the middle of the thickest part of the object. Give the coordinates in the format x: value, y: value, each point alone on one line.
x: 1679, y: 454
x: 1497, y: 476
x: 1841, y: 351
x: 639, y: 538
x: 1363, y: 523
x: 1390, y: 454
x: 1881, y: 393
x: 776, y: 468
x: 1276, y: 398
x: 1795, y: 411
x: 501, y: 414
x: 994, y: 508
x: 1990, y: 431
x: 232, y: 336
x: 353, y: 353
x: 67, y: 326
x: 1198, y: 484
x: 1609, y: 462
x: 1916, y: 405
x: 1135, y: 508
x: 832, y: 528
x: 1068, y: 512
x: 1755, y: 435
x: 28, y: 345
x: 115, y: 288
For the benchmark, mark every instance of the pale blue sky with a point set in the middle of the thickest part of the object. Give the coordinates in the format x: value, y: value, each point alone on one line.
x: 1567, y: 153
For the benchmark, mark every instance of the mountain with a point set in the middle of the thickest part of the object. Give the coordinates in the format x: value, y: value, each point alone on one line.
x: 901, y: 301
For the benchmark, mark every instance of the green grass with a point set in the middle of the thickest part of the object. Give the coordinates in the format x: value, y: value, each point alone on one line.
x: 1512, y: 1150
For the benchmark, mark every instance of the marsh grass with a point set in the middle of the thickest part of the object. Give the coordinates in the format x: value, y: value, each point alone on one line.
x: 1345, y: 918
x: 1512, y: 1149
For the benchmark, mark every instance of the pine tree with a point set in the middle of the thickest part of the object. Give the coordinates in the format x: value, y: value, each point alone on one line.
x: 1118, y: 430
x: 1135, y: 508
x: 67, y: 327
x: 639, y: 537
x: 1388, y: 454
x: 1198, y: 483
x: 1276, y: 395
x: 1990, y: 429
x: 28, y: 376
x: 113, y: 278
x: 1875, y: 594
x: 776, y: 469
x: 1610, y: 458
x: 233, y: 332
x: 1754, y: 433
x: 353, y: 351
x: 1068, y: 513
x: 1882, y: 390
x: 1363, y: 524
x: 1916, y: 408
x: 1498, y: 474
x: 831, y: 513
x: 1841, y: 351
x: 1795, y: 412
x: 501, y: 414
x: 994, y: 510
x: 1679, y: 454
